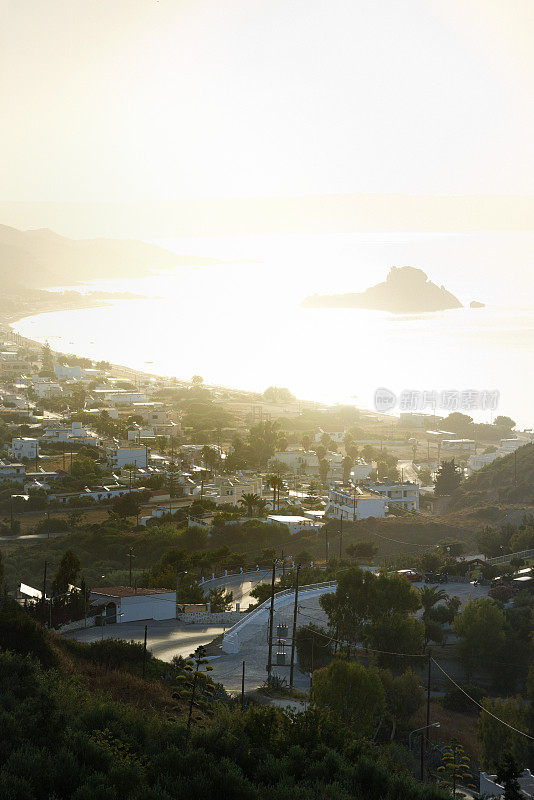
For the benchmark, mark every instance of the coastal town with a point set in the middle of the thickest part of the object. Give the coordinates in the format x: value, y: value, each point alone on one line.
x: 185, y: 517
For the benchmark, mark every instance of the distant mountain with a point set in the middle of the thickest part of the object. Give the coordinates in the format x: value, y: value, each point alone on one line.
x: 406, y: 290
x: 36, y: 259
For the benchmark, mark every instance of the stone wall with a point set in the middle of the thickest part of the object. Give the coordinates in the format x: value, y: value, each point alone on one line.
x: 210, y: 618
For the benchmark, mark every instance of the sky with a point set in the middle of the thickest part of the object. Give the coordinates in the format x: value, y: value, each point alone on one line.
x: 159, y: 100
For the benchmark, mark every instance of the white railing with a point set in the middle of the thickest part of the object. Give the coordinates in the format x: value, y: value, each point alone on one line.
x: 230, y: 637
x: 508, y: 557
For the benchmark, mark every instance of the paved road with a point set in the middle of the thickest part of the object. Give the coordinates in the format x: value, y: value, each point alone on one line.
x: 406, y: 469
x: 32, y: 536
x: 170, y: 637
x: 254, y: 650
x: 166, y: 638
x: 242, y: 585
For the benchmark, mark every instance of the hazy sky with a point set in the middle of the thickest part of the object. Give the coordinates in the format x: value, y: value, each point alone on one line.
x: 164, y: 99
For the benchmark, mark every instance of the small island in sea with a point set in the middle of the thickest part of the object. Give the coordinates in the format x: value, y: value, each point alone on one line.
x: 406, y: 290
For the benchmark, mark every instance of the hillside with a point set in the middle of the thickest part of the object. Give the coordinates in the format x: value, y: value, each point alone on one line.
x: 406, y: 290
x: 506, y: 480
x: 82, y: 722
x: 41, y: 258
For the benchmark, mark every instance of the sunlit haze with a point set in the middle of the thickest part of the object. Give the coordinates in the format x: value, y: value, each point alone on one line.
x: 140, y: 101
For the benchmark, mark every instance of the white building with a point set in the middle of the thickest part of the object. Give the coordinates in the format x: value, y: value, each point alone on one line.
x: 118, y: 397
x: 24, y: 447
x: 361, y: 470
x: 75, y: 433
x: 404, y: 495
x: 231, y: 490
x: 354, y: 503
x: 490, y: 788
x: 64, y: 373
x: 335, y: 436
x: 306, y: 462
x: 459, y: 445
x: 295, y: 523
x: 476, y: 462
x: 124, y: 604
x: 47, y: 390
x: 12, y: 472
x: 129, y: 455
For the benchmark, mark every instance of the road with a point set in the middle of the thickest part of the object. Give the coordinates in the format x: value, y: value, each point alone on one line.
x: 170, y: 637
x: 165, y: 638
x: 241, y: 585
x: 25, y: 536
x: 406, y: 469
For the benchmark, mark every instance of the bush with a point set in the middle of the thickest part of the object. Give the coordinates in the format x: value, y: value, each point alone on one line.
x: 21, y: 634
x: 455, y: 700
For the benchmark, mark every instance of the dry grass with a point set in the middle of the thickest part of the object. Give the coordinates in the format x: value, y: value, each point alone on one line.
x: 453, y: 725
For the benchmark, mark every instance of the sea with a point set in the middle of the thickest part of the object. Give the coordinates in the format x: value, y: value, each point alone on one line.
x: 240, y: 323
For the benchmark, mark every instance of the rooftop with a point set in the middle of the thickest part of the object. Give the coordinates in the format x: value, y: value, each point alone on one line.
x: 128, y: 591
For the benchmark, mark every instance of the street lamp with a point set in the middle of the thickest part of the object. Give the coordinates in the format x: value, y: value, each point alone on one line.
x: 417, y: 730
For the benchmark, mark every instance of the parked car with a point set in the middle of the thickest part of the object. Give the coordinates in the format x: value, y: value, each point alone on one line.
x: 411, y: 574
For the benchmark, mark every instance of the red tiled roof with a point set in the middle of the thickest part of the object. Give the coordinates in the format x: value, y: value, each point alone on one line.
x: 126, y: 591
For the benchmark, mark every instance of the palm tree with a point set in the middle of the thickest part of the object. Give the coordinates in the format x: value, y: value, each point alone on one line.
x: 249, y: 500
x: 275, y: 483
x: 430, y: 595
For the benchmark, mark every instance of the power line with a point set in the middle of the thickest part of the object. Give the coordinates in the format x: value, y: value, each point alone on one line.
x: 491, y: 714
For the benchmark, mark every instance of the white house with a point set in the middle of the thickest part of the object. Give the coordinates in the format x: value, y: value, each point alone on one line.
x: 126, y: 604
x: 24, y: 447
x: 75, y: 433
x: 12, y: 472
x: 476, y: 462
x: 295, y: 523
x: 129, y: 455
x: 64, y: 373
x: 490, y: 788
x: 336, y: 436
x: 361, y: 470
x: 354, y: 503
x: 404, y: 495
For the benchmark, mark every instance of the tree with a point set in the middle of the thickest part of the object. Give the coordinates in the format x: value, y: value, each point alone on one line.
x: 367, y: 550
x: 220, y: 600
x: 348, y: 607
x: 348, y: 465
x: 448, y: 478
x: 508, y: 771
x: 2, y: 572
x: 314, y: 648
x: 496, y: 738
x: 210, y: 457
x: 262, y: 442
x: 277, y: 394
x: 67, y: 572
x: 128, y: 505
x: 306, y: 441
x: 430, y: 596
x: 504, y: 422
x: 404, y: 696
x: 275, y: 482
x: 393, y: 635
x: 353, y: 692
x: 481, y: 631
x: 249, y: 500
x: 324, y: 466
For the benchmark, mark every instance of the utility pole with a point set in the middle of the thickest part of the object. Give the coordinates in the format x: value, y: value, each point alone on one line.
x: 130, y: 555
x: 44, y: 588
x: 144, y: 652
x: 294, y: 634
x: 243, y: 688
x: 283, y: 569
x: 341, y: 536
x: 326, y: 540
x: 271, y: 621
x: 515, y: 466
x: 429, y: 666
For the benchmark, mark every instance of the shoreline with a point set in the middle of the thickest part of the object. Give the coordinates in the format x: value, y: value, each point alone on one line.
x: 123, y: 371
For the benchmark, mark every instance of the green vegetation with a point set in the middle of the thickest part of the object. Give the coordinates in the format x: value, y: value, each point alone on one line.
x: 154, y: 738
x: 506, y: 480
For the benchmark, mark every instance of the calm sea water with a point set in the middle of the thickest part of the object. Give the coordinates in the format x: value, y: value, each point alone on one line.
x: 240, y: 323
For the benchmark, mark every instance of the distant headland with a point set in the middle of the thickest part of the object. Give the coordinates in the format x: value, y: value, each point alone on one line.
x: 406, y: 290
